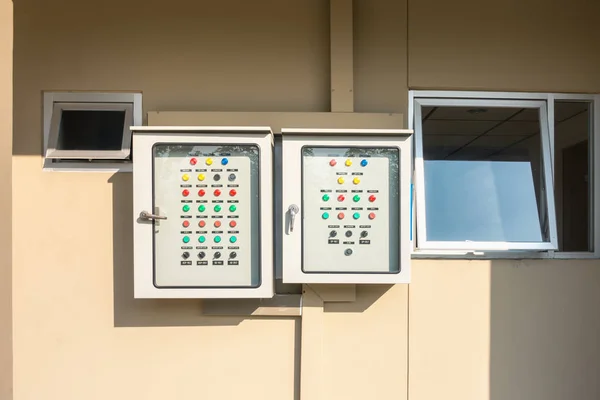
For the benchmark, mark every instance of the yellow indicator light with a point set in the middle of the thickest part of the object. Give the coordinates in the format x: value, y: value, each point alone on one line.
x: 185, y: 177
x: 348, y: 162
x: 341, y: 180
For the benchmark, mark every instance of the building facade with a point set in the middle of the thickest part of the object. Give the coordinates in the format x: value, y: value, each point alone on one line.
x: 464, y: 328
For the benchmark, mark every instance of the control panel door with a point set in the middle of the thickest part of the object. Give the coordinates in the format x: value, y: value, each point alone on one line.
x: 343, y: 201
x: 204, y: 203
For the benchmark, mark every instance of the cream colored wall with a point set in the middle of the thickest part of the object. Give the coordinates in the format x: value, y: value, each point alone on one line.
x: 478, y: 330
x: 6, y: 91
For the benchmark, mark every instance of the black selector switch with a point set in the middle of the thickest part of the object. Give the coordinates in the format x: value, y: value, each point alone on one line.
x: 185, y: 255
x: 332, y: 234
x: 201, y: 254
x: 348, y: 233
x: 233, y: 254
x: 217, y: 177
x: 364, y: 234
x: 218, y: 254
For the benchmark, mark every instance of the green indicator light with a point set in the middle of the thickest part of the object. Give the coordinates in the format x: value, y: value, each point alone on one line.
x: 217, y: 208
x: 233, y: 239
x: 325, y: 197
x: 356, y: 216
x: 217, y: 239
x: 356, y: 198
x: 186, y: 239
x: 202, y: 208
x: 202, y: 239
x: 186, y: 208
x: 325, y: 215
x: 232, y: 208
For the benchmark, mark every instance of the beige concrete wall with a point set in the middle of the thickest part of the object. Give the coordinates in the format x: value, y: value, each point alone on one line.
x: 478, y: 330
x: 532, y: 45
x: 6, y: 108
x: 78, y: 332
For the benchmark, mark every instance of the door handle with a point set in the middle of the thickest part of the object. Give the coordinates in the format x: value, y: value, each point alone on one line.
x: 293, y: 210
x: 150, y: 217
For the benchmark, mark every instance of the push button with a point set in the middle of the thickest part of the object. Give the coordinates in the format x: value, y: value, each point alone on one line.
x: 325, y: 197
x: 209, y: 161
x: 185, y: 208
x: 217, y: 208
x: 217, y: 177
x: 232, y: 192
x: 364, y: 163
x: 232, y: 208
x: 231, y: 177
x: 341, y: 197
x: 232, y: 239
x: 202, y: 208
x: 202, y: 224
x: 325, y: 215
x: 333, y: 163
x: 224, y: 161
x: 217, y: 224
x: 372, y: 216
x: 232, y: 224
x: 202, y: 239
x: 372, y: 198
x: 356, y: 198
x: 201, y: 192
x: 193, y: 161
x: 186, y: 223
x: 217, y: 193
x: 217, y: 240
x: 356, y: 216
x: 341, y: 216
x: 186, y: 239
x: 185, y: 192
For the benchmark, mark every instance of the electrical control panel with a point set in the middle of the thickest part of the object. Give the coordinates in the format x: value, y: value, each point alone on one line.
x: 203, y: 199
x: 346, y: 200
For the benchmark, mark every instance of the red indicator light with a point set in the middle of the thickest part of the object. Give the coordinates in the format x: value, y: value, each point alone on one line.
x: 217, y: 192
x: 232, y: 224
x: 193, y: 161
x: 341, y: 197
x: 186, y: 224
x: 202, y: 224
x: 185, y: 192
x: 201, y: 192
x: 232, y: 192
x: 372, y: 216
x: 332, y: 163
x: 217, y: 224
x: 372, y: 198
x: 341, y: 216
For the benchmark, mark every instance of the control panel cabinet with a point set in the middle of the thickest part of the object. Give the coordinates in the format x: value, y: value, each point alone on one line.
x: 346, y: 206
x: 203, y: 212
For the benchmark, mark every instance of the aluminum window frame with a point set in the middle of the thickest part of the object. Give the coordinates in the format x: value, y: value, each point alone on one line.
x: 547, y: 204
x: 550, y: 98
x: 89, y: 160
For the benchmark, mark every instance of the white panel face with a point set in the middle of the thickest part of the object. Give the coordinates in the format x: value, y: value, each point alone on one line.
x: 350, y: 204
x: 210, y: 196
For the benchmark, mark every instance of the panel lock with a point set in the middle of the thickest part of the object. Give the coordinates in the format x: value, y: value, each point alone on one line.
x: 293, y: 210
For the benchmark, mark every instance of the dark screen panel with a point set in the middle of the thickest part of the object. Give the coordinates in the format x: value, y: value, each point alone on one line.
x: 91, y: 130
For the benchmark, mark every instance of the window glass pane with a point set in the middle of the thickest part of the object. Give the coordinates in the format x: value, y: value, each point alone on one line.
x: 572, y: 178
x: 483, y: 174
x: 91, y: 130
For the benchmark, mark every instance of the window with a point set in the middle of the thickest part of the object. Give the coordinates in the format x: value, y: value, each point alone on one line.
x: 503, y: 172
x: 89, y: 129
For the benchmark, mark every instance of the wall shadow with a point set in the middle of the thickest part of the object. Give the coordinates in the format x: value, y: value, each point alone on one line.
x: 366, y: 296
x: 545, y: 330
